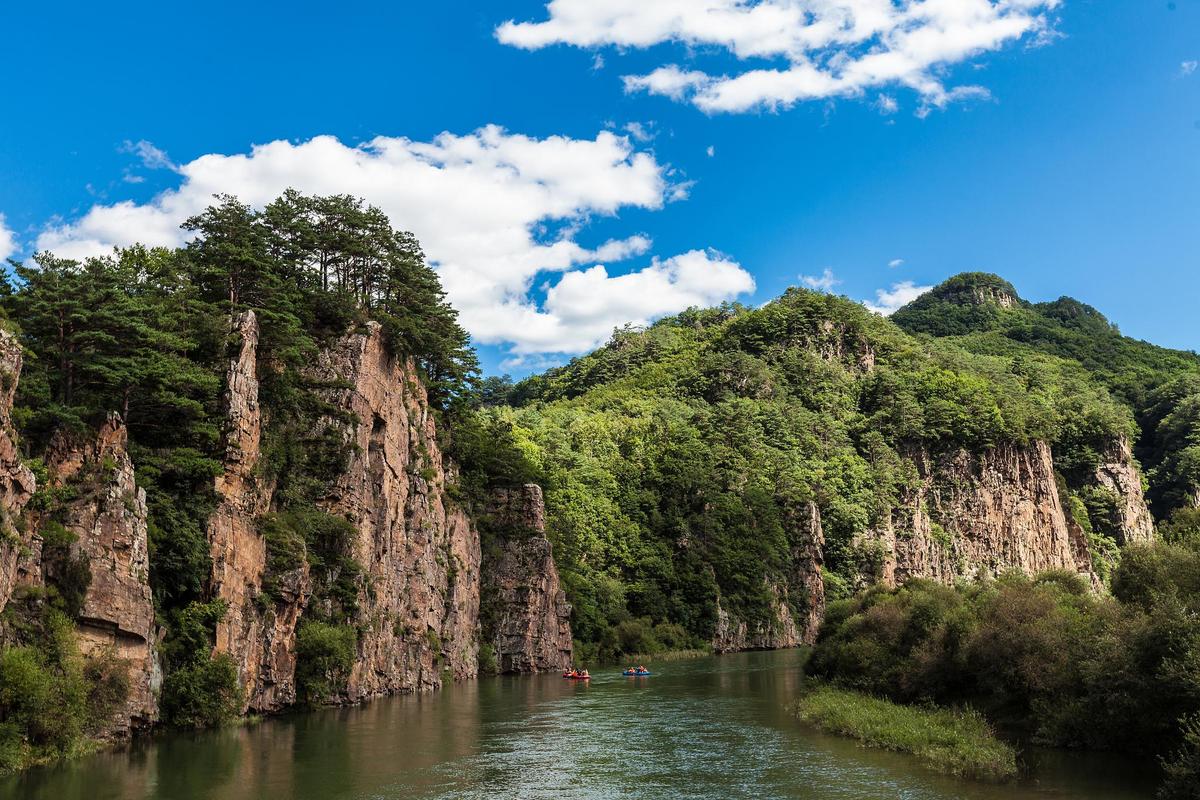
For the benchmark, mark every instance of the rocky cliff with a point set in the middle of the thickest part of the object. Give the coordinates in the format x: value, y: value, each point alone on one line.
x: 971, y: 514
x: 17, y: 483
x: 526, y: 616
x: 104, y: 515
x: 1118, y: 475
x: 108, y: 517
x: 419, y: 604
x: 257, y: 632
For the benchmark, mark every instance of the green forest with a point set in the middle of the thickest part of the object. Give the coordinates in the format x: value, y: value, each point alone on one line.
x: 677, y: 459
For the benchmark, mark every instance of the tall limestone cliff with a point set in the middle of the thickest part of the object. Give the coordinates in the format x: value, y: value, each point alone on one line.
x: 419, y: 606
x: 972, y: 514
x: 526, y: 616
x: 17, y: 483
x: 1118, y: 475
x: 256, y: 631
x: 108, y: 517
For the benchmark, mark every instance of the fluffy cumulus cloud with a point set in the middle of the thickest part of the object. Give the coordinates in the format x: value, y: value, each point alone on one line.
x: 888, y: 301
x: 795, y: 50
x: 585, y: 303
x: 8, y: 240
x: 493, y: 210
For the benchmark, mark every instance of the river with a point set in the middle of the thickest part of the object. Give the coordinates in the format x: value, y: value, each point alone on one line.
x: 715, y: 727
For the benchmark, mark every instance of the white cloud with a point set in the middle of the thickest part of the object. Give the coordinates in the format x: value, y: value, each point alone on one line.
x: 1188, y: 67
x: 597, y: 62
x: 822, y: 283
x: 151, y: 157
x: 888, y: 301
x: 896, y: 262
x: 711, y: 151
x: 588, y: 304
x: 886, y: 104
x: 830, y: 48
x: 8, y: 241
x: 480, y: 203
x: 640, y: 132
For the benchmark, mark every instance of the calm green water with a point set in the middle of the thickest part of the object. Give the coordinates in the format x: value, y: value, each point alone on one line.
x: 706, y: 728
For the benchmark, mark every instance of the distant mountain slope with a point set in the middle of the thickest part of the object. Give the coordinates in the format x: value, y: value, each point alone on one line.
x: 700, y: 471
x: 983, y: 314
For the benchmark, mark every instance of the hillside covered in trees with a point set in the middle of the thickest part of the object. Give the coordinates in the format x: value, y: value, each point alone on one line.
x: 681, y: 461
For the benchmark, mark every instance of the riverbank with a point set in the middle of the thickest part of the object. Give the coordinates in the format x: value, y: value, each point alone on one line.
x: 959, y: 743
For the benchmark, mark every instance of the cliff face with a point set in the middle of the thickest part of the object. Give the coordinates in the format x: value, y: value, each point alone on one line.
x: 1118, y: 475
x: 259, y: 634
x: 17, y: 483
x: 797, y: 602
x: 527, y: 619
x: 108, y: 518
x: 977, y: 513
x: 419, y: 608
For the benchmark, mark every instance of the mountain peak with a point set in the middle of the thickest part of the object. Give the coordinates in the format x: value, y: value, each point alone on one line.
x: 977, y: 289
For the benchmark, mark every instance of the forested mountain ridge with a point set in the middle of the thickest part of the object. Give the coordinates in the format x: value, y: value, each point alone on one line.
x: 688, y: 465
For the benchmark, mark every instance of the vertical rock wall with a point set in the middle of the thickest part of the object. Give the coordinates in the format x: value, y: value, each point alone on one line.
x: 256, y: 631
x: 527, y: 619
x: 420, y: 605
x: 1118, y: 475
x: 797, y: 600
x: 17, y: 483
x: 979, y: 513
x: 108, y: 517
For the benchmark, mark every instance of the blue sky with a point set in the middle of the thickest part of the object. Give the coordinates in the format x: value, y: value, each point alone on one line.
x: 1078, y: 174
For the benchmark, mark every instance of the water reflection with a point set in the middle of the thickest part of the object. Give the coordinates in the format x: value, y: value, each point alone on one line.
x: 709, y: 728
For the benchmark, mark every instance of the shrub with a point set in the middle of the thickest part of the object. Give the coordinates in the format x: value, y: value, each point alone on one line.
x: 324, y: 657
x: 636, y: 636
x: 487, y: 660
x: 202, y: 694
x: 1183, y: 767
x: 49, y: 695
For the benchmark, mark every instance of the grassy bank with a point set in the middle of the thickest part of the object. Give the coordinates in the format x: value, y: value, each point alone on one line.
x: 956, y: 742
x: 666, y: 655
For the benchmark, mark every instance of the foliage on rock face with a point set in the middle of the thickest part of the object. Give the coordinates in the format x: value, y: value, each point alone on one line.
x: 324, y: 657
x: 51, y: 697
x: 1044, y: 655
x: 200, y: 690
x: 678, y: 461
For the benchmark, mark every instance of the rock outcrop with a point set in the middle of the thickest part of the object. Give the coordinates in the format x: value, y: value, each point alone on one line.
x: 256, y: 631
x: 526, y: 617
x: 419, y: 605
x: 17, y: 483
x: 108, y: 518
x: 797, y: 603
x: 975, y: 513
x: 1118, y: 474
